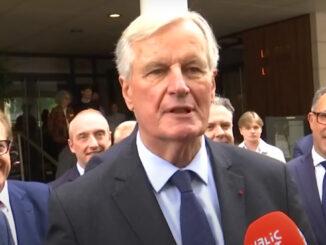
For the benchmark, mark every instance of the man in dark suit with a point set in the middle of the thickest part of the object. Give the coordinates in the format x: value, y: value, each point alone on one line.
x: 89, y: 134
x: 302, y: 146
x: 308, y: 170
x: 24, y: 204
x: 166, y: 183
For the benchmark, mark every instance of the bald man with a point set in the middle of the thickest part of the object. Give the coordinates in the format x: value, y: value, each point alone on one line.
x: 123, y: 130
x: 89, y: 134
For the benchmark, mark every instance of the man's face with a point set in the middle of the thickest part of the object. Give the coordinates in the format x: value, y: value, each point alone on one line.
x: 318, y: 129
x: 89, y: 134
x: 4, y: 159
x: 251, y: 132
x: 171, y: 86
x: 87, y: 93
x: 220, y: 125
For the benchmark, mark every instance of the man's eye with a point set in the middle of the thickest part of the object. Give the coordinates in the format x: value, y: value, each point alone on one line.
x: 100, y: 134
x: 156, y: 72
x: 82, y: 137
x: 322, y: 115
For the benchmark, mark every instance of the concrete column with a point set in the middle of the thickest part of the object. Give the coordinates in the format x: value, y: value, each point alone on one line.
x: 318, y: 45
x: 162, y: 6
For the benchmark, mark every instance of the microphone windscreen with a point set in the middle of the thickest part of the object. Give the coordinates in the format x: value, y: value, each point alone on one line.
x: 273, y: 229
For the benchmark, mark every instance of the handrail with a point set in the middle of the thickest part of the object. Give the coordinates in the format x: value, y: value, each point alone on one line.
x: 39, y: 149
x: 20, y: 152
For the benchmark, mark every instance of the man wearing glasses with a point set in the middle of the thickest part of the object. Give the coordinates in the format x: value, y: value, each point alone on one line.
x: 308, y: 170
x: 23, y: 206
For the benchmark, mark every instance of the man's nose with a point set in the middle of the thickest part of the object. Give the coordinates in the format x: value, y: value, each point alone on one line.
x: 177, y: 83
x: 218, y: 131
x: 92, y: 141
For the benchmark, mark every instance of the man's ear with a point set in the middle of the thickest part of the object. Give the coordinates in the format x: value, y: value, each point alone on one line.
x: 126, y: 92
x: 71, y: 147
x: 213, y: 89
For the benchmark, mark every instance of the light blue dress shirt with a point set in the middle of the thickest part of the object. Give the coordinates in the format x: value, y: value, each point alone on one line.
x: 159, y: 172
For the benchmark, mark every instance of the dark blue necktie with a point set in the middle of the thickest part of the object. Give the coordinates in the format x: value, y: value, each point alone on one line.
x: 195, y: 229
x: 5, y: 233
x: 323, y: 199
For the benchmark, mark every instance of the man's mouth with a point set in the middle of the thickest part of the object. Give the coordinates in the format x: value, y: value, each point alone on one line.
x: 181, y: 109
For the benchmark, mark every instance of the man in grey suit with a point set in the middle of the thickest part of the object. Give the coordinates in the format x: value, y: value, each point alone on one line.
x: 166, y: 183
x: 308, y: 170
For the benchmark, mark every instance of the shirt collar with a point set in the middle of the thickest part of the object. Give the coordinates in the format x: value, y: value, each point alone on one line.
x: 316, y: 158
x: 80, y: 169
x: 4, y: 196
x: 261, y: 148
x: 159, y: 171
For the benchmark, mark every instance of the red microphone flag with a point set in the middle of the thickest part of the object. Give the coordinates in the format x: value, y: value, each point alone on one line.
x: 274, y: 228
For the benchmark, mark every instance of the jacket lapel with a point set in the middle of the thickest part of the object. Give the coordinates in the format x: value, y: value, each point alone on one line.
x: 309, y: 190
x: 231, y: 195
x: 135, y: 198
x: 73, y: 174
x: 23, y: 214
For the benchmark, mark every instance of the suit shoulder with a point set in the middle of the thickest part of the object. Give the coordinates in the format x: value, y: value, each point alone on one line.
x: 29, y: 185
x: 243, y: 160
x: 39, y: 192
x: 70, y: 175
x: 295, y: 161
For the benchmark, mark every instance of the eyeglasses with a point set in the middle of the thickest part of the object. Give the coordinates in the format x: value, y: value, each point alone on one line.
x: 321, y: 117
x: 4, y: 146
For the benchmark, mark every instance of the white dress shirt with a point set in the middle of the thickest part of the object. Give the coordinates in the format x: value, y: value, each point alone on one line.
x: 159, y: 172
x: 6, y: 209
x: 80, y: 169
x: 319, y: 170
x: 268, y: 150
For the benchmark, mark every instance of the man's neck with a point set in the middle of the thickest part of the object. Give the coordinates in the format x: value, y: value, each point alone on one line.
x: 251, y: 145
x: 85, y: 100
x: 179, y: 153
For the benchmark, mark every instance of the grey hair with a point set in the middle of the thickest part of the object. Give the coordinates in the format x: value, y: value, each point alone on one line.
x: 218, y: 100
x: 60, y: 95
x: 319, y: 93
x: 145, y: 25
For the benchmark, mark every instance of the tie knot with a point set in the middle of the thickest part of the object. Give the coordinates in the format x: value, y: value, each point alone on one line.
x: 182, y: 180
x: 323, y: 164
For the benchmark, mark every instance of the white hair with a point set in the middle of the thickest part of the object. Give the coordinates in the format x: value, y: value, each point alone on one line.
x: 146, y: 25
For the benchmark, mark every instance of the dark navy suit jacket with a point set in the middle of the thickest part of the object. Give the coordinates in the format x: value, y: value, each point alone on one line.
x: 70, y: 175
x: 303, y: 146
x: 114, y: 203
x: 29, y: 204
x: 303, y: 171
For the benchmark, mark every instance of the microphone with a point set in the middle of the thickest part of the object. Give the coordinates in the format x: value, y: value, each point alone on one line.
x: 274, y: 228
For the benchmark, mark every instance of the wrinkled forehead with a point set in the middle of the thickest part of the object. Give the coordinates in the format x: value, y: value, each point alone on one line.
x: 87, y: 123
x: 220, y: 110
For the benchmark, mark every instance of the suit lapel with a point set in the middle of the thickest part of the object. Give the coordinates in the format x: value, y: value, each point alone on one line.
x: 308, y: 185
x: 23, y: 214
x: 135, y: 198
x: 73, y: 174
x: 231, y: 191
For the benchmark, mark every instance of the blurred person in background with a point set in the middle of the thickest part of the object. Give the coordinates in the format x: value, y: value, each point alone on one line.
x: 220, y: 121
x: 123, y: 130
x: 89, y: 134
x: 86, y: 99
x: 59, y: 120
x: 251, y: 126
